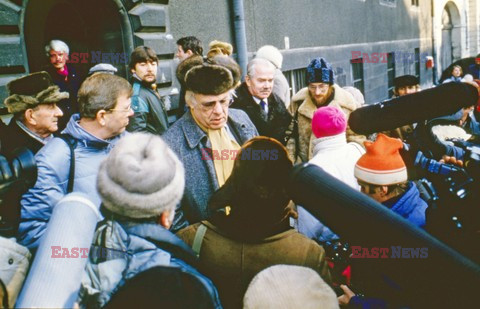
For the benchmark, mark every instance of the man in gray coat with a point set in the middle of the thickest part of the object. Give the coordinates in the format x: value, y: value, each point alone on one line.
x: 207, y: 137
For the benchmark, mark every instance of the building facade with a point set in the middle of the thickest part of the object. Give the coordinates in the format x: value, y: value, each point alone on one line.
x: 368, y: 42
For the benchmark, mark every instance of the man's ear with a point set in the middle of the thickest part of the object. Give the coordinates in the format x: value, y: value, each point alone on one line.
x: 384, y: 190
x: 30, y: 117
x: 165, y: 220
x: 248, y: 80
x: 100, y: 117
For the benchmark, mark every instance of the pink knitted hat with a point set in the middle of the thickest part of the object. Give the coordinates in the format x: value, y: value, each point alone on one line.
x: 328, y: 121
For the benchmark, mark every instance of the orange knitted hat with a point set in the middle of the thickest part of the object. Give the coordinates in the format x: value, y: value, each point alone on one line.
x: 382, y: 164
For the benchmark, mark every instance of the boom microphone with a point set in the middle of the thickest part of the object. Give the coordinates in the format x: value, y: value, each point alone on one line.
x: 442, y: 100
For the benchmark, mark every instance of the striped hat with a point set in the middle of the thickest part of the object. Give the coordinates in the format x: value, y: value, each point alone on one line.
x: 382, y: 164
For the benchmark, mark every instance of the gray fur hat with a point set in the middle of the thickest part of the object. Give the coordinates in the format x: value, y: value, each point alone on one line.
x: 141, y: 177
x: 31, y: 90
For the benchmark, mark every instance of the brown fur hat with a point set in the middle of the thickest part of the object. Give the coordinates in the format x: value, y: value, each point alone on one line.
x: 29, y: 91
x: 216, y: 76
x: 219, y: 48
x: 184, y: 66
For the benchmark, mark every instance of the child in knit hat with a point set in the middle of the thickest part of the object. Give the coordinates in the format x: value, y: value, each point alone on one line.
x: 382, y: 175
x: 334, y: 155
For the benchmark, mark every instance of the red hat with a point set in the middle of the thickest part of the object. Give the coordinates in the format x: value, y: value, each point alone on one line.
x: 382, y: 164
x: 328, y: 121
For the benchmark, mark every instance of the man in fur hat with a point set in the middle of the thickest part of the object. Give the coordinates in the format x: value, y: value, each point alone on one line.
x: 208, y: 136
x: 33, y: 102
x: 321, y: 91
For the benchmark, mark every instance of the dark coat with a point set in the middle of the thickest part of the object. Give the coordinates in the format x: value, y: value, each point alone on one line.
x: 70, y: 84
x: 187, y: 140
x: 150, y: 113
x: 278, y: 116
x: 15, y: 137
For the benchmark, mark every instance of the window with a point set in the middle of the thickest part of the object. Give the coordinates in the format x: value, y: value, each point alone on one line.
x: 390, y: 73
x: 357, y: 74
x: 415, y: 2
x: 296, y: 79
x: 417, y: 63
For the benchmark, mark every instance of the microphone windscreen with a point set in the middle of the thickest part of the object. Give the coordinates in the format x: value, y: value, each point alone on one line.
x: 442, y: 100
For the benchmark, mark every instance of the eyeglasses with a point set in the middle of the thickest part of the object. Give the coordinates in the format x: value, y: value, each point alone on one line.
x: 210, y: 106
x: 122, y: 110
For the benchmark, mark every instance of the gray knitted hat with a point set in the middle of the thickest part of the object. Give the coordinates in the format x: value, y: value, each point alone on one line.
x: 141, y: 177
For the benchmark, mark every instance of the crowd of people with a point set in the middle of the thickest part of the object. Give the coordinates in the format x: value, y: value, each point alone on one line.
x: 198, y: 212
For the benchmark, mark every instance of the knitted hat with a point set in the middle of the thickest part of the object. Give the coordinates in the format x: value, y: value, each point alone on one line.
x: 405, y: 80
x: 141, y: 177
x: 382, y: 164
x: 328, y: 121
x: 320, y: 71
x: 289, y: 286
x: 29, y: 91
x: 103, y: 68
x: 272, y: 54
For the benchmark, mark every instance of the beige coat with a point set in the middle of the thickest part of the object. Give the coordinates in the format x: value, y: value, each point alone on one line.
x: 306, y: 108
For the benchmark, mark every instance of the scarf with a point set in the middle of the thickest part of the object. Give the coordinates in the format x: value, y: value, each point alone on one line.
x: 63, y: 72
x: 221, y: 141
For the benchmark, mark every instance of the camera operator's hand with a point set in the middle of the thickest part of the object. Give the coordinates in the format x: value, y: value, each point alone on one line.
x: 345, y: 298
x: 451, y: 160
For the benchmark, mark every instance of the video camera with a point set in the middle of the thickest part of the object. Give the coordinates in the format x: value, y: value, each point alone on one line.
x: 17, y: 174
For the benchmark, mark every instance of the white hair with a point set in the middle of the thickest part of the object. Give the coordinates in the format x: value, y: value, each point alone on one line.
x: 258, y: 61
x: 56, y: 45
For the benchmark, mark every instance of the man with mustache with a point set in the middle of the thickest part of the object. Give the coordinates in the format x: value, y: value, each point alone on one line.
x: 148, y: 105
x: 255, y: 97
x: 321, y: 91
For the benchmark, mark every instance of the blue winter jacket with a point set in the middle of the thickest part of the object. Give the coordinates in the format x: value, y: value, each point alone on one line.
x: 53, y: 164
x: 410, y: 206
x: 129, y: 248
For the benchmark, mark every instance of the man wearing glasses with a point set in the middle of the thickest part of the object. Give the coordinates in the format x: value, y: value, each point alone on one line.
x: 208, y: 136
x: 104, y: 101
x: 321, y: 91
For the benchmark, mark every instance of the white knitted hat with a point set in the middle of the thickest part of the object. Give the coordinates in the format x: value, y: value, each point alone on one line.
x: 289, y: 287
x: 141, y: 177
x: 272, y: 54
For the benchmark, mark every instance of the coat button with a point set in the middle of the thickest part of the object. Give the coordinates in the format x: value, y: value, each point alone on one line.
x: 10, y: 261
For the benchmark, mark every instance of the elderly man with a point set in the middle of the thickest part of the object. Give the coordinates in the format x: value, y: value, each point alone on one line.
x: 64, y: 76
x: 104, y: 111
x: 148, y: 105
x: 280, y: 84
x: 208, y: 136
x: 255, y: 97
x: 33, y: 102
x: 321, y: 91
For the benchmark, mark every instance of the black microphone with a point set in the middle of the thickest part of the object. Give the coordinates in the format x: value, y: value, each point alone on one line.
x: 442, y: 100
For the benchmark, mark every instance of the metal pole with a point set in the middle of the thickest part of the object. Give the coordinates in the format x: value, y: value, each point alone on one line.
x: 240, y: 37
